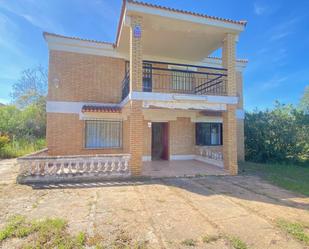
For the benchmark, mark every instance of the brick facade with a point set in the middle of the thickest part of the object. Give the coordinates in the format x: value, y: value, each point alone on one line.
x: 240, y: 122
x: 182, y: 137
x: 66, y: 136
x: 91, y: 78
x: 136, y: 55
x: 136, y: 119
x: 229, y: 116
x: 85, y: 77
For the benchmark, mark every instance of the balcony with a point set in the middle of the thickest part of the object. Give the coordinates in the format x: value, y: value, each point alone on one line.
x: 180, y: 78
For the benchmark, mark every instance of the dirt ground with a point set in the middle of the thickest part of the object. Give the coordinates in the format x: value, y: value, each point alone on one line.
x: 164, y: 212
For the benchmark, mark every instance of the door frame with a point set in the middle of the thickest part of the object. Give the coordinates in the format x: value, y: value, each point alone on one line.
x: 165, y: 153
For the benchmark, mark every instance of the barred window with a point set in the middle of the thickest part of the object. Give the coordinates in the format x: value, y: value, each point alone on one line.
x: 103, y: 134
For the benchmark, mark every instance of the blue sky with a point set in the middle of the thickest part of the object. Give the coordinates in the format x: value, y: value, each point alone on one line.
x: 275, y: 41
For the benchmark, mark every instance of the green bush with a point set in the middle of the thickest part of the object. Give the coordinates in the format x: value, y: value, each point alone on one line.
x: 21, y: 147
x: 24, y: 129
x: 278, y: 135
x: 4, y: 140
x: 28, y: 123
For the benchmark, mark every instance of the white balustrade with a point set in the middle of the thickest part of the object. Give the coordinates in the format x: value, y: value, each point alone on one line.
x: 115, y: 164
x: 208, y: 153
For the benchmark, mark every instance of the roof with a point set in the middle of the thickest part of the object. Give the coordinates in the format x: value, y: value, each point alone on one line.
x: 219, y: 58
x: 76, y: 38
x: 240, y: 22
x: 94, y: 108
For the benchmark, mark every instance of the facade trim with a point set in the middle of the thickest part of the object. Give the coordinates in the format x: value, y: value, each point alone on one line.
x: 71, y: 107
x: 188, y: 97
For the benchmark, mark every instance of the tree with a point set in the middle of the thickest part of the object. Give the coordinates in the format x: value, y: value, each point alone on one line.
x: 304, y: 102
x: 277, y: 135
x: 31, y: 88
x: 27, y: 118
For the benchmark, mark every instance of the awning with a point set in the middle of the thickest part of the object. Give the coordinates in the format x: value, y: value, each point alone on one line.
x: 100, y: 108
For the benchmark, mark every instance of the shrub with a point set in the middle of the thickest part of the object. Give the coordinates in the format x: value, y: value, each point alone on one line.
x: 21, y: 147
x: 4, y: 140
x: 278, y: 135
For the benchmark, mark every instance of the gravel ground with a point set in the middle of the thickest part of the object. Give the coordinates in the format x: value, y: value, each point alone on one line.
x: 165, y: 213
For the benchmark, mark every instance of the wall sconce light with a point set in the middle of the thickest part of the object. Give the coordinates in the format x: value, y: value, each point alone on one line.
x: 56, y: 82
x: 149, y: 124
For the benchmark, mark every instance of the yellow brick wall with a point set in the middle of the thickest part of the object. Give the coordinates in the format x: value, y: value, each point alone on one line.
x: 147, y: 139
x: 240, y: 122
x: 181, y: 137
x: 85, y: 77
x: 66, y: 133
x: 136, y: 55
x: 229, y: 116
x: 239, y: 88
x: 229, y: 62
x: 240, y: 140
x: 230, y: 140
x: 136, y: 136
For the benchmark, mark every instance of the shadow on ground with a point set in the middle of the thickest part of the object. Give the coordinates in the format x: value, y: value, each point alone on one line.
x: 243, y: 187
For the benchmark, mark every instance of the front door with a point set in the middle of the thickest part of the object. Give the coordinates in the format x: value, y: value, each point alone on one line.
x: 159, y: 144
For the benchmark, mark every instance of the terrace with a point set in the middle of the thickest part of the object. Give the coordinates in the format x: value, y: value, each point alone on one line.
x: 167, y: 77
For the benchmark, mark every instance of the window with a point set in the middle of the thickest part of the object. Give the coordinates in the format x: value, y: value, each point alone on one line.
x: 147, y: 77
x: 103, y: 134
x: 208, y: 134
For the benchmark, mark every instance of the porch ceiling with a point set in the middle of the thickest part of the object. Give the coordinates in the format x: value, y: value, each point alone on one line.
x: 175, y: 35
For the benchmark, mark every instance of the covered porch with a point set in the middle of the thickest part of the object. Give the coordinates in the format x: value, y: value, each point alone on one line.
x: 180, y: 168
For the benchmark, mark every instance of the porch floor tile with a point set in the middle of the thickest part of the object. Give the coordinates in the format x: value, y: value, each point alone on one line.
x: 180, y: 168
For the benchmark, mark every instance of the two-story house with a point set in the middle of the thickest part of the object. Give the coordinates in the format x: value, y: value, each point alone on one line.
x: 154, y: 94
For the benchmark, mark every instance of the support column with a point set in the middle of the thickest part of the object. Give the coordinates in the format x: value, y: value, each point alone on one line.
x: 229, y: 117
x: 136, y: 140
x: 136, y: 54
x: 136, y: 118
x: 230, y: 140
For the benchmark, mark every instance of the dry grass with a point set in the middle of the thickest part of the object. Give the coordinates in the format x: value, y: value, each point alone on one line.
x: 47, y: 233
x: 52, y: 233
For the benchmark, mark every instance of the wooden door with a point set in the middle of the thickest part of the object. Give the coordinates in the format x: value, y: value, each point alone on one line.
x: 159, y: 145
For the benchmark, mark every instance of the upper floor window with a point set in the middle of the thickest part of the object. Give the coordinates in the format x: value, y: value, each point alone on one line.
x: 208, y: 134
x: 103, y: 134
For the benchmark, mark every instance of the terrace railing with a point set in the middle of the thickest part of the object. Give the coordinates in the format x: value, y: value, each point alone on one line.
x: 125, y: 86
x: 61, y: 168
x: 180, y: 78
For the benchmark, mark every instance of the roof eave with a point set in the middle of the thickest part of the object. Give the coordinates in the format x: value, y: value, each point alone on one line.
x: 148, y: 8
x: 128, y: 5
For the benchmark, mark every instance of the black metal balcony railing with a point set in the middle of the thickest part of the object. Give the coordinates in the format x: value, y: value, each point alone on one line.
x: 125, y: 85
x: 179, y: 78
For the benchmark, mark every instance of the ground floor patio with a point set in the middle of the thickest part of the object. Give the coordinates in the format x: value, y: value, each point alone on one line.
x: 206, y: 212
x: 180, y: 168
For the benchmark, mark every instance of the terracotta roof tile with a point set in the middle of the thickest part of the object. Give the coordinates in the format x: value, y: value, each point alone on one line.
x: 94, y: 108
x: 219, y: 58
x: 187, y: 12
